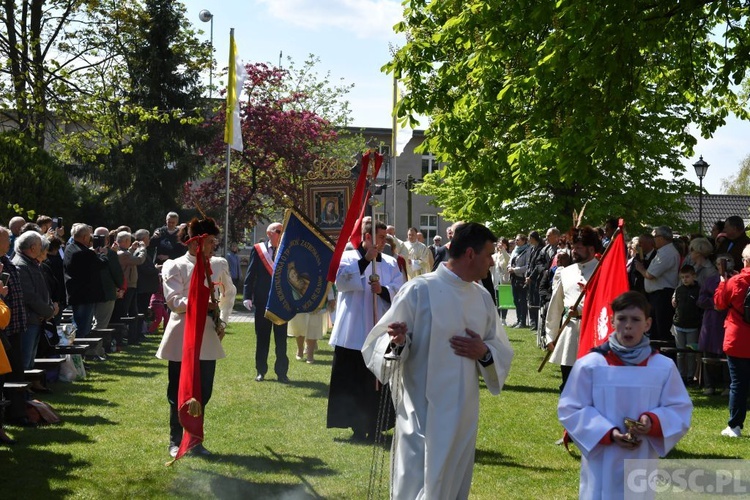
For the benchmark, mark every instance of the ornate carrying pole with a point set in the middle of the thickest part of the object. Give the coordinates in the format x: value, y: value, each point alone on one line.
x: 374, y: 277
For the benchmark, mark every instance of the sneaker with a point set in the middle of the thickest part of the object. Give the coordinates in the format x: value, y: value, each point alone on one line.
x: 725, y: 392
x: 173, y: 449
x: 709, y: 391
x: 732, y: 432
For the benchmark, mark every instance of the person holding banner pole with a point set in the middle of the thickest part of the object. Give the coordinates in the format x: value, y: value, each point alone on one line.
x: 353, y: 397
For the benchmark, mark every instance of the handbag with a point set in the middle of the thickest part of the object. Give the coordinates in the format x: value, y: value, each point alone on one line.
x: 50, y: 333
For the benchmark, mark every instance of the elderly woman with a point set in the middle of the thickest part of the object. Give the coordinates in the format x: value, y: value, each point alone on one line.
x: 700, y: 251
x: 131, y: 255
x: 711, y: 337
x: 730, y: 296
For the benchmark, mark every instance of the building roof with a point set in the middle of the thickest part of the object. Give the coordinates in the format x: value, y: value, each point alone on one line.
x: 717, y: 207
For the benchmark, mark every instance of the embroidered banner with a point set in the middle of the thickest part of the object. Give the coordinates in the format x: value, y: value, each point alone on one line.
x: 299, y: 282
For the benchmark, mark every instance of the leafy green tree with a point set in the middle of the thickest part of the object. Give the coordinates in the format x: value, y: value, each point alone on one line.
x: 738, y: 183
x: 31, y: 180
x: 141, y: 149
x: 540, y: 107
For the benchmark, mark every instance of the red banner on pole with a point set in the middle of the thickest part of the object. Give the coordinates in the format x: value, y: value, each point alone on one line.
x: 609, y: 281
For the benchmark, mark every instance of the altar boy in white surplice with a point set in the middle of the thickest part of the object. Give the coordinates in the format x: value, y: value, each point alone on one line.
x: 623, y: 378
x: 446, y: 329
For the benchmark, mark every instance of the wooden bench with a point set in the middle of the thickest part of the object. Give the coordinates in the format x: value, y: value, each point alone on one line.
x: 48, y: 363
x: 14, y: 387
x: 108, y: 338
x: 70, y: 349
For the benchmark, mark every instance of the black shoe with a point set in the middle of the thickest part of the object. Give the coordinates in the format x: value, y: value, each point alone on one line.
x: 200, y: 450
x: 359, y: 436
x: 283, y: 379
x: 260, y: 377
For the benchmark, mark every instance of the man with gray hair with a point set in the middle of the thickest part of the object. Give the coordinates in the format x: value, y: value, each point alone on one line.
x: 15, y: 225
x: 165, y: 241
x: 36, y: 299
x: 13, y: 333
x: 660, y: 279
x: 83, y: 283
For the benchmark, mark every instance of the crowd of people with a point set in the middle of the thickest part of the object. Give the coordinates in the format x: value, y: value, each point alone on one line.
x: 414, y: 326
x: 101, y: 276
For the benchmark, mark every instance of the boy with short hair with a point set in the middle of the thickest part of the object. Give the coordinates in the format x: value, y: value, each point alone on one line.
x: 687, y: 321
x: 624, y: 378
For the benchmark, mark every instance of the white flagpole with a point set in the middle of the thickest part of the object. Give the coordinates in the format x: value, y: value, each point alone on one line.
x: 394, y: 155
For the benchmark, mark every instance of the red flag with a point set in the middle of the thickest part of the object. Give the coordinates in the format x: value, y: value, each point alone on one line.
x: 189, y: 398
x: 351, y: 229
x: 609, y: 280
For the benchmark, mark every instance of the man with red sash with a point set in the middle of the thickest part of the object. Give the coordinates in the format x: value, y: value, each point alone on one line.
x: 257, y: 287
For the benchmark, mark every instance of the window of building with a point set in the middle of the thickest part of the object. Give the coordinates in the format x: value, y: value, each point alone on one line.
x: 429, y: 164
x: 428, y: 225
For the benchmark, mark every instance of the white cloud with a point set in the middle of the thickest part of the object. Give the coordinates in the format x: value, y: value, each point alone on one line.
x: 363, y: 18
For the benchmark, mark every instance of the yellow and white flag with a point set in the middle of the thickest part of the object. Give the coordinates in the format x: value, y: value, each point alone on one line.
x: 401, y: 136
x: 237, y: 75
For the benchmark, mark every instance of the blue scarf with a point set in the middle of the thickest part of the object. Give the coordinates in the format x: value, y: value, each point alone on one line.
x: 518, y: 249
x: 631, y: 356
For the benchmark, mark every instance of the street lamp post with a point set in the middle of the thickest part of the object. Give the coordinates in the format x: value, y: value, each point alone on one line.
x: 206, y: 16
x: 701, y: 167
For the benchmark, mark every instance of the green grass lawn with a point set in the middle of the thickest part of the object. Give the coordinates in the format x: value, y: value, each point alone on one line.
x: 269, y: 440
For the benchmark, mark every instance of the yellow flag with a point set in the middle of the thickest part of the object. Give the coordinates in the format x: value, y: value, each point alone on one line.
x: 237, y: 75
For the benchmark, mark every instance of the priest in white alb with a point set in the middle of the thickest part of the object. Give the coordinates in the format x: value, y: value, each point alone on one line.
x: 444, y: 327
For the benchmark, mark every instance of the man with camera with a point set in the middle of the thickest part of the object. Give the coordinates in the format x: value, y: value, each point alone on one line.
x: 83, y: 283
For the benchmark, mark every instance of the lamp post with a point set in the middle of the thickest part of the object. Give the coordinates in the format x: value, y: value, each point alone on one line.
x: 701, y: 167
x: 206, y: 16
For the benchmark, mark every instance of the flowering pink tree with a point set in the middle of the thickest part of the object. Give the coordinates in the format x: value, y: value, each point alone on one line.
x: 282, y: 134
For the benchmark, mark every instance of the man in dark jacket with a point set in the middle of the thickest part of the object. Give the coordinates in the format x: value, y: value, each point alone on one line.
x: 83, y: 282
x: 257, y: 287
x: 165, y: 242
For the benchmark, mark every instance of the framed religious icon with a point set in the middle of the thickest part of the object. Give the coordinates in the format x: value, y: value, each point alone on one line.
x: 328, y: 190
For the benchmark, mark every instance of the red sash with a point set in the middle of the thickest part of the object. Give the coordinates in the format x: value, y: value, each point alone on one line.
x: 265, y: 257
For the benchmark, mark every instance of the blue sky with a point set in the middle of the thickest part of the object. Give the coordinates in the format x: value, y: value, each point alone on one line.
x: 352, y: 38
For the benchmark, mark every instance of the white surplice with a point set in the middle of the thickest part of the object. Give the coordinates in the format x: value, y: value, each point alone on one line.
x: 435, y: 391
x: 598, y: 397
x: 565, y: 292
x: 354, y: 316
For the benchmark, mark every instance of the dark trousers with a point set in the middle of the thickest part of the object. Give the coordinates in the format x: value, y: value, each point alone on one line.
x: 520, y: 300
x: 12, y: 344
x: 128, y: 306
x: 662, y: 313
x: 739, y: 373
x: 354, y: 396
x: 565, y: 372
x: 263, y: 328
x: 208, y: 369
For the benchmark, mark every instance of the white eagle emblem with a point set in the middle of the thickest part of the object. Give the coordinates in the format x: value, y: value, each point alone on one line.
x: 602, y: 326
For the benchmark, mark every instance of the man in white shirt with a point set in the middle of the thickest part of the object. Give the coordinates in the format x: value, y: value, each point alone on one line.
x: 661, y: 278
